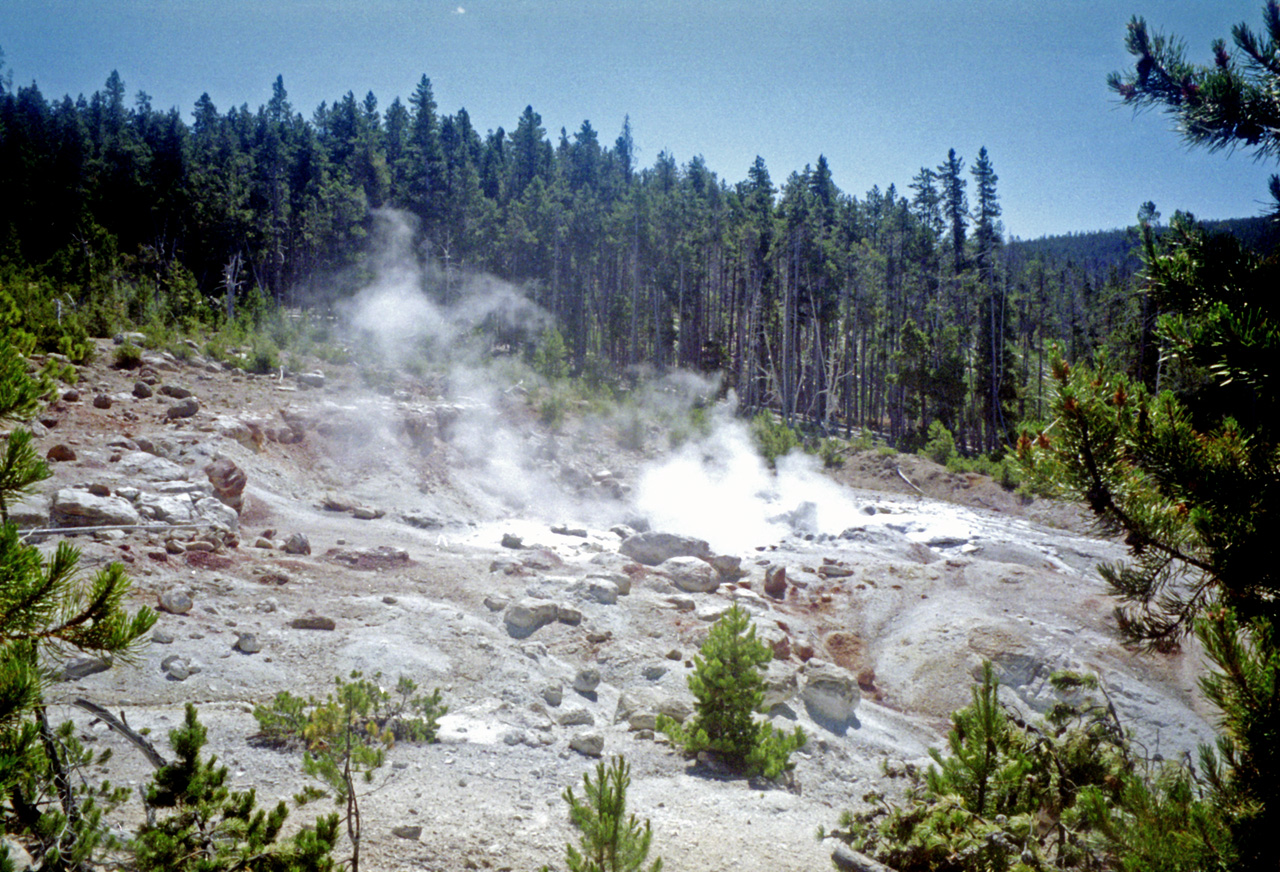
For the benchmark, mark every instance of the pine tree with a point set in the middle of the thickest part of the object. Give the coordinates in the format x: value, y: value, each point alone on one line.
x: 729, y: 689
x: 1226, y: 105
x: 45, y: 609
x: 211, y: 827
x: 611, y: 840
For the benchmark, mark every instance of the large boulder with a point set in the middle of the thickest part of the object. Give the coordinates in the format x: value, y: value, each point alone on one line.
x: 79, y: 508
x: 653, y: 548
x: 830, y: 694
x: 228, y: 482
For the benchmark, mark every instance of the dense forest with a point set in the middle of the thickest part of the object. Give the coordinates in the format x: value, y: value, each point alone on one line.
x: 885, y: 311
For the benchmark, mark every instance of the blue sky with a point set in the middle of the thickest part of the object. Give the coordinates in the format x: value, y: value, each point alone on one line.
x: 881, y: 87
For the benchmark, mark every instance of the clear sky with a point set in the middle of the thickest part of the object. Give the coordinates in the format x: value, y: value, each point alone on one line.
x: 881, y: 87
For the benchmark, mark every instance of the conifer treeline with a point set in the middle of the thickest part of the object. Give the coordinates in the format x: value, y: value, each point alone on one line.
x: 887, y: 311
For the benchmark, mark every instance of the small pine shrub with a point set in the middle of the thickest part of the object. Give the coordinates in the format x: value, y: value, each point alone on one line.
x: 729, y: 690
x: 611, y: 840
x: 346, y: 735
x: 941, y: 445
x: 196, y: 823
x: 128, y: 356
x: 773, y: 437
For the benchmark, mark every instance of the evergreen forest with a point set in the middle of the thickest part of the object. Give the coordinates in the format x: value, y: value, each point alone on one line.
x: 882, y: 312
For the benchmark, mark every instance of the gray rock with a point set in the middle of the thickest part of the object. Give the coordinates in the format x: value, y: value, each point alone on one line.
x: 849, y: 860
x: 567, y: 614
x: 655, y: 672
x: 589, y: 744
x: 524, y: 617
x: 575, y: 717
x: 775, y: 581
x: 160, y: 637
x: 654, y: 547
x: 496, y: 602
x: 142, y: 390
x: 553, y: 694
x: 228, y: 482
x: 646, y: 703
x: 152, y: 467
x: 311, y: 379
x: 102, y: 401
x: 183, y: 408
x: 412, y: 833
x: 81, y: 667
x: 175, y: 391
x: 830, y: 694
x: 587, y: 680
x: 602, y: 591
x: 298, y: 543
x: 691, y: 575
x: 176, y: 668
x: 247, y: 643
x: 313, y: 622
x: 79, y: 508
x: 175, y: 602
x: 511, y: 540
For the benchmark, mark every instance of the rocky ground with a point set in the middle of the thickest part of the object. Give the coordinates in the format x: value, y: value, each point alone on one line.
x: 433, y: 528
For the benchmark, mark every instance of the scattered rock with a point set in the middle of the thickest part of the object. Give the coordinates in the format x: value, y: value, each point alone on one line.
x: 228, y: 482
x: 174, y: 391
x: 525, y: 617
x: 247, y: 643
x: 79, y: 508
x: 601, y: 591
x: 691, y: 574
x: 830, y: 694
x: 511, y: 540
x: 313, y: 622
x: 568, y: 615
x: 412, y: 833
x: 297, y: 543
x: 653, y: 548
x: 81, y: 667
x: 175, y: 602
x: 142, y: 390
x: 496, y: 602
x: 61, y: 453
x: 589, y: 744
x: 562, y: 530
x: 576, y: 717
x: 775, y: 581
x: 183, y: 409
x: 311, y: 380
x: 849, y: 860
x: 175, y: 668
x: 587, y: 680
x: 102, y: 401
x: 553, y: 694
x: 364, y: 513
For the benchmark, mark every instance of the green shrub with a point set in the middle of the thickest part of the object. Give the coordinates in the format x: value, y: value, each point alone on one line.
x: 773, y: 437
x: 209, y: 827
x: 941, y: 445
x: 346, y: 735
x: 127, y: 356
x: 611, y: 840
x: 832, y: 453
x: 1067, y: 793
x: 729, y: 690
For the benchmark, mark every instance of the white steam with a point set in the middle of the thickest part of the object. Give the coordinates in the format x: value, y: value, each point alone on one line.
x: 719, y: 489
